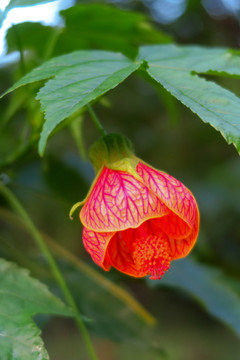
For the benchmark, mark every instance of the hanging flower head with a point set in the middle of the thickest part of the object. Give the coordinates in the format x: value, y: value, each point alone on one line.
x: 135, y: 218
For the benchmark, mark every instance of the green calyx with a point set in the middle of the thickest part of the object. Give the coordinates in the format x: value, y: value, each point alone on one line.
x: 112, y: 150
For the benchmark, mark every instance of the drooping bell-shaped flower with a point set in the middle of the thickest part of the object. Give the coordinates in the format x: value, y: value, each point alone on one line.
x: 135, y: 218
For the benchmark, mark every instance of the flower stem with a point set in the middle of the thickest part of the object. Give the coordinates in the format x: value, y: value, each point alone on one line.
x: 13, y: 201
x: 96, y: 120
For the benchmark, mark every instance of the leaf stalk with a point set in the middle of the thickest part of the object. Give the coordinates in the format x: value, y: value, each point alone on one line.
x: 96, y: 120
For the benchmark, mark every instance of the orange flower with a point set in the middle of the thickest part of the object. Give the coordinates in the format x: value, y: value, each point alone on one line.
x: 136, y: 218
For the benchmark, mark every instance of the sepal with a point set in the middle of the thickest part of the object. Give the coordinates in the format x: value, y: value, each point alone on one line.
x: 110, y: 149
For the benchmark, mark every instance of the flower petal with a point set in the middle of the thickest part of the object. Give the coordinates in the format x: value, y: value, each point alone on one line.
x: 172, y: 225
x: 119, y: 201
x: 179, y: 248
x: 119, y: 255
x: 171, y: 191
x: 96, y: 244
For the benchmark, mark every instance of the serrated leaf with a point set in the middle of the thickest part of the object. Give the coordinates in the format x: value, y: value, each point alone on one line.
x: 79, y: 78
x: 21, y: 297
x: 176, y: 68
x: 208, y: 286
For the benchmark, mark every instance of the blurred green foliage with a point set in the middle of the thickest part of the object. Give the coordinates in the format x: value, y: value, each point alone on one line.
x: 18, y: 331
x: 165, y: 134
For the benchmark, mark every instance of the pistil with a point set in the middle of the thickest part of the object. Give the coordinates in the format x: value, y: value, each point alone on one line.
x: 150, y: 255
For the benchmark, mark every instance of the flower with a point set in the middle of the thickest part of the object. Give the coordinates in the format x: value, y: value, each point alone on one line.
x: 135, y: 218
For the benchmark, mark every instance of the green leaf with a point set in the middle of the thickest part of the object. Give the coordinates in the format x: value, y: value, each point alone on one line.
x: 100, y: 26
x: 21, y: 297
x: 22, y: 3
x: 2, y: 17
x: 31, y: 35
x: 176, y: 68
x: 208, y: 286
x: 79, y: 78
x: 92, y: 26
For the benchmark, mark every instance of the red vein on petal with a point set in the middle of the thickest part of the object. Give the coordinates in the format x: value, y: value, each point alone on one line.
x: 182, y: 247
x: 171, y: 191
x: 96, y: 244
x: 119, y: 201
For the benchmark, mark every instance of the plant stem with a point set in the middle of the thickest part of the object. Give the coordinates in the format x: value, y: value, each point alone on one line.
x: 52, y: 264
x: 20, y: 48
x: 94, y: 275
x: 77, y: 134
x: 50, y: 43
x: 96, y: 120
